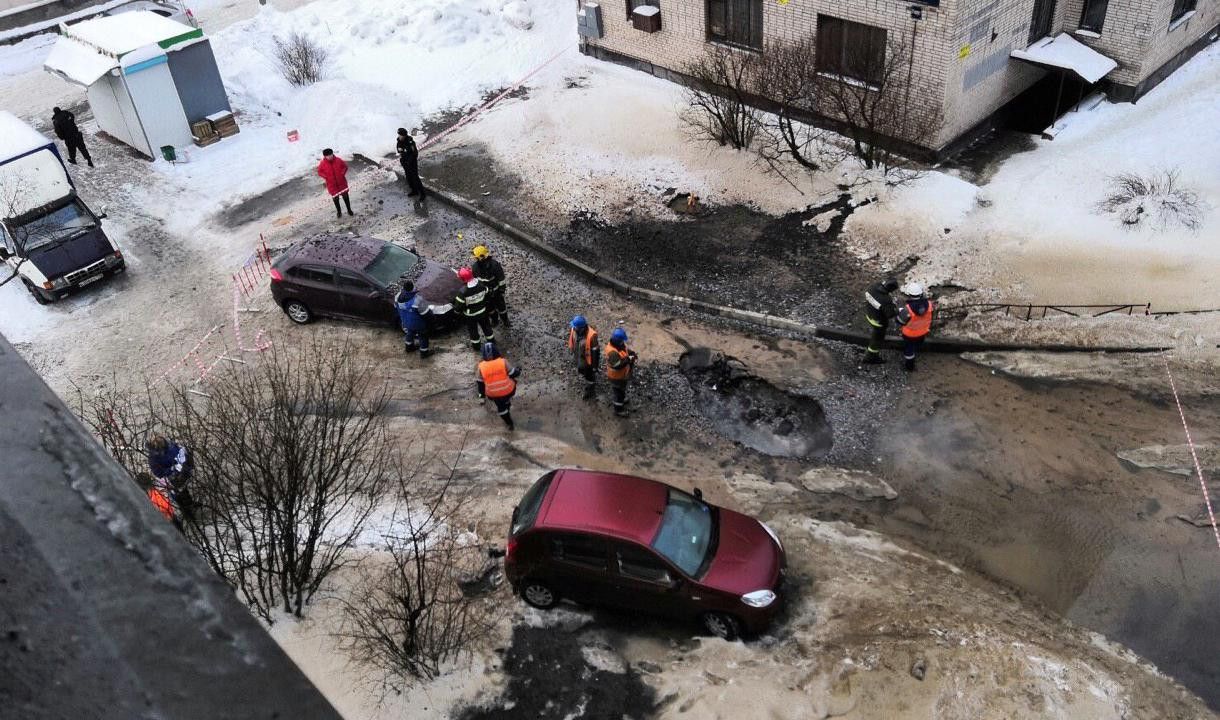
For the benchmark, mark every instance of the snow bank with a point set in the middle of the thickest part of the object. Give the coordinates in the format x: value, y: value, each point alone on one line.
x: 390, y: 64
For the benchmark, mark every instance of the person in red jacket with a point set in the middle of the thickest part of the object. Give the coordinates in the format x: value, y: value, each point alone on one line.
x: 333, y: 170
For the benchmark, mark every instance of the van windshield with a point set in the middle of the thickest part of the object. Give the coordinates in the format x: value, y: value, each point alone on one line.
x: 390, y: 264
x: 686, y: 533
x: 56, y: 226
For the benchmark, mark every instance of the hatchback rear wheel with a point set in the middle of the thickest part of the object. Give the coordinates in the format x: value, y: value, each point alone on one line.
x: 722, y: 625
x: 540, y: 595
x: 297, y: 312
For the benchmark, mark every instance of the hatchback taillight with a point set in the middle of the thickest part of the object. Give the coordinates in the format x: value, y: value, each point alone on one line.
x: 276, y: 276
x: 512, y: 547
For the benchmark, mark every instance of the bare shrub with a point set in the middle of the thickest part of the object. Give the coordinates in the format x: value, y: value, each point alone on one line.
x: 411, y: 615
x: 879, y: 109
x: 301, y: 61
x: 291, y: 455
x: 788, y: 72
x: 1156, y: 200
x: 716, y: 101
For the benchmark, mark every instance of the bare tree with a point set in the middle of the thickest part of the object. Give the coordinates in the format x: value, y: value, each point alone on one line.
x: 789, y: 73
x: 301, y: 60
x: 1157, y: 199
x: 717, y: 99
x: 291, y: 455
x: 415, y: 612
x: 14, y: 191
x: 877, y: 102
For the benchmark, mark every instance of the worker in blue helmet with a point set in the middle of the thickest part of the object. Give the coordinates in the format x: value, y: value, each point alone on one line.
x: 620, y: 361
x: 582, y: 343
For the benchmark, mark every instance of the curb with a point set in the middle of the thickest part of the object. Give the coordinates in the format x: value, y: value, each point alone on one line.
x: 942, y: 345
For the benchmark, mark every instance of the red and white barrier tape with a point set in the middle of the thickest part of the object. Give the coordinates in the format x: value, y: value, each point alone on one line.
x: 479, y: 110
x: 1207, y: 500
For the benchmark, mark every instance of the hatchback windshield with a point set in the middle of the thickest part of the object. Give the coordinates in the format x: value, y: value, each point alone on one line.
x: 686, y: 531
x: 390, y: 264
x: 66, y: 222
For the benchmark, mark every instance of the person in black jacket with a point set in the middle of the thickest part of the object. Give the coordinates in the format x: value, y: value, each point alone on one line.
x: 491, y: 273
x: 64, y: 123
x: 471, y: 302
x: 880, y: 310
x: 408, y: 155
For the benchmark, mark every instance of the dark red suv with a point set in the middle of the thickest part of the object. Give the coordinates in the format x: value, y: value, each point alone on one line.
x: 641, y: 545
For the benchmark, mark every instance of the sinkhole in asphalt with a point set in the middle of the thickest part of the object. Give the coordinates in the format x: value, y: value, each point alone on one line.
x: 751, y: 410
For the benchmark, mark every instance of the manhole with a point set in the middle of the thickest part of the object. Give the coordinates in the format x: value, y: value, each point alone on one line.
x: 751, y: 410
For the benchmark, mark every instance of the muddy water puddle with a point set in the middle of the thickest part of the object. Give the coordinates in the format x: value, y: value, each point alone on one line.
x: 751, y: 410
x: 1021, y: 480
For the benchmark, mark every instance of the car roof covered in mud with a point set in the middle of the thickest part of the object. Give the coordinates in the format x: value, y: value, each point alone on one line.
x: 623, y: 506
x: 352, y: 251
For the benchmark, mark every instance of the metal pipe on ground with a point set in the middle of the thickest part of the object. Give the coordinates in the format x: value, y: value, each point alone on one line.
x: 934, y: 344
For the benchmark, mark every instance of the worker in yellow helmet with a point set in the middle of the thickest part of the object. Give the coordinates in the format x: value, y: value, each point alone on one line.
x: 487, y: 269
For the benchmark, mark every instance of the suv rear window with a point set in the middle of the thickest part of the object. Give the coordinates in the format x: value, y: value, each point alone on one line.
x: 526, y: 511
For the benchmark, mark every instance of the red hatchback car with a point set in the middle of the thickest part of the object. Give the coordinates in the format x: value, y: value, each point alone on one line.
x: 643, y: 546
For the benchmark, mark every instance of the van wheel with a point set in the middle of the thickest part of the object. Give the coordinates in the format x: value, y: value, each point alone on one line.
x: 721, y: 625
x: 38, y: 296
x: 297, y: 312
x: 540, y: 595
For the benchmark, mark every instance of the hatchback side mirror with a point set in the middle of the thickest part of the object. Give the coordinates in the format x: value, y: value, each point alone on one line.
x: 4, y: 253
x: 698, y: 494
x: 102, y: 215
x: 374, y: 295
x: 673, y: 583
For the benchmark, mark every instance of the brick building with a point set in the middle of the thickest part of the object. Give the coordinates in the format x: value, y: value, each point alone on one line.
x: 982, y: 62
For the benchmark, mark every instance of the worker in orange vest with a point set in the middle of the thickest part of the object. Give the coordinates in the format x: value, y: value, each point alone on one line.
x: 620, y: 360
x: 160, y: 497
x: 915, y: 321
x: 582, y: 342
x: 496, y: 379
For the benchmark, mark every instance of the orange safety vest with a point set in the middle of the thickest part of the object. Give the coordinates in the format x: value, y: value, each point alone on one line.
x: 496, y: 382
x: 590, y: 338
x: 611, y: 372
x: 162, y: 502
x: 918, y: 325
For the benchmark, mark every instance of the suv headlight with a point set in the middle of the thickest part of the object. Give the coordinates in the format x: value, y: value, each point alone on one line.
x: 758, y: 598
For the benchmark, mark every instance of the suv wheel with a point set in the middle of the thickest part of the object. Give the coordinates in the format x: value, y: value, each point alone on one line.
x: 297, y: 312
x: 38, y: 296
x: 538, y: 594
x: 722, y: 625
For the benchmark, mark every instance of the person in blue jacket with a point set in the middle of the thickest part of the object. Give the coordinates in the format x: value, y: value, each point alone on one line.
x: 414, y: 327
x: 171, y: 466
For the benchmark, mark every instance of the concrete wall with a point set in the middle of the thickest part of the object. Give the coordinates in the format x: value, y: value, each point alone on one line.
x: 1137, y: 34
x: 38, y: 13
x: 683, y: 36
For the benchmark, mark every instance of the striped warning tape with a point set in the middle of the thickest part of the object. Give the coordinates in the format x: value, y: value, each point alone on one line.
x: 1190, y: 443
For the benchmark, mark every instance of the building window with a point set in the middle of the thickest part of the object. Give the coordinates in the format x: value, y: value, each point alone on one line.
x: 735, y: 22
x: 1180, y: 8
x: 1094, y: 15
x: 633, y: 4
x: 850, y: 50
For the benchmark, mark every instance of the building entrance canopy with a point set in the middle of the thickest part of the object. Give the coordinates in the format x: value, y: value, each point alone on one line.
x: 1065, y: 53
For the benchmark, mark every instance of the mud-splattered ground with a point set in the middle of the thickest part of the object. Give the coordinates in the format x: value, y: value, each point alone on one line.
x: 1018, y: 480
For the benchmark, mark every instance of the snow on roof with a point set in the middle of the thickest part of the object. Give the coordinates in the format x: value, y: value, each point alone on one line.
x: 78, y: 63
x: 646, y: 10
x: 16, y: 137
x: 1065, y: 52
x: 122, y: 33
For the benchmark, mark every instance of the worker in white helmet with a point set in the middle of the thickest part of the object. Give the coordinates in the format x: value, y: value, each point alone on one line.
x: 915, y: 321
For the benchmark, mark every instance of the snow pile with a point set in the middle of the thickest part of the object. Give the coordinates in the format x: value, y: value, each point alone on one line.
x: 390, y: 64
x: 1037, y: 232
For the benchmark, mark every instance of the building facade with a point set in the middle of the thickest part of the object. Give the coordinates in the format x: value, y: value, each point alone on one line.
x: 962, y: 61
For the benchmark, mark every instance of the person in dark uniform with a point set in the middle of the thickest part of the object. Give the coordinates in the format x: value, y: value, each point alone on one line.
x: 471, y: 301
x: 880, y: 310
x: 489, y: 270
x: 408, y: 155
x: 64, y: 123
